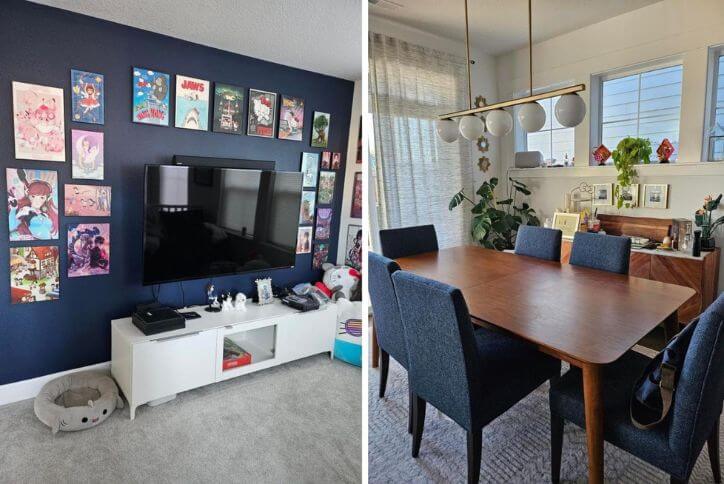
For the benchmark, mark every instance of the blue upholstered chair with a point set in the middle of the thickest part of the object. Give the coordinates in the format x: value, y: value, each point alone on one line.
x: 603, y: 252
x: 470, y: 376
x: 388, y: 325
x: 408, y: 241
x: 674, y: 445
x: 539, y: 242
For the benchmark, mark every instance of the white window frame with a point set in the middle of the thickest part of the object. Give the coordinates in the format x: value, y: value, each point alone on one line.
x: 712, y: 73
x: 596, y: 109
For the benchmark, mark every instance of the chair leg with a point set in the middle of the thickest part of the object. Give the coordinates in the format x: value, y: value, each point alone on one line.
x: 418, y: 416
x: 712, y: 445
x: 475, y: 448
x: 384, y: 370
x: 556, y: 447
x: 409, y: 410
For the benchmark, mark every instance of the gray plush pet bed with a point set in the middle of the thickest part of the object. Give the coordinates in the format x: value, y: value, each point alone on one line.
x: 77, y: 401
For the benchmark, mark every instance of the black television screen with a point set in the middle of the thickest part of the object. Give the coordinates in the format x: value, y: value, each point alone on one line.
x: 204, y: 221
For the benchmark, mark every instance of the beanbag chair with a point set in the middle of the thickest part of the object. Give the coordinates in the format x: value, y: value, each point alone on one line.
x: 348, y: 343
x: 77, y: 401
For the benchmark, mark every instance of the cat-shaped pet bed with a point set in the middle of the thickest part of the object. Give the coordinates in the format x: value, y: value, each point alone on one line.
x: 77, y: 401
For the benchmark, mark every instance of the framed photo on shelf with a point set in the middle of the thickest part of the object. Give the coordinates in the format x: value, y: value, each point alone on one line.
x: 630, y: 195
x: 264, y: 291
x: 656, y: 196
x: 603, y: 194
x: 568, y: 223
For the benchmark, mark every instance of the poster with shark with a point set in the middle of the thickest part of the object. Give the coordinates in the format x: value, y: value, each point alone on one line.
x: 151, y: 95
x: 192, y: 103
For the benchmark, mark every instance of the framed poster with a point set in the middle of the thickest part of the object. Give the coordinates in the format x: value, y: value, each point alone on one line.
x: 602, y: 194
x: 353, y: 251
x: 306, y: 209
x: 262, y: 113
x: 336, y: 161
x: 356, y: 211
x: 304, y: 240
x: 320, y: 130
x: 228, y: 109
x: 630, y: 195
x: 87, y: 154
x: 39, y: 122
x: 568, y: 223
x: 32, y: 204
x: 151, y: 97
x: 34, y: 274
x: 291, y: 118
x: 192, y: 103
x: 87, y: 201
x: 89, y: 249
x: 326, y: 187
x: 321, y: 253
x: 310, y: 168
x: 326, y: 160
x: 656, y: 195
x: 323, y: 228
x: 87, y: 97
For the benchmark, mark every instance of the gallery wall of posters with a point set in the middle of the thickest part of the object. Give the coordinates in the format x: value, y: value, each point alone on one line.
x: 291, y: 118
x: 87, y: 201
x: 320, y: 129
x: 151, y: 93
x: 39, y: 122
x: 228, y: 109
x: 262, y: 113
x: 192, y: 103
x: 87, y: 97
x: 32, y: 204
x: 34, y: 274
x: 89, y: 249
x: 87, y: 154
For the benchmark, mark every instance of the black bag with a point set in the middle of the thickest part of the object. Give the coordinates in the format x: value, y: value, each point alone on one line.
x: 653, y: 393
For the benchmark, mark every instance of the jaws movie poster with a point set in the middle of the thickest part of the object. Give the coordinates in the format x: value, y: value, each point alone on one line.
x: 150, y: 97
x: 192, y: 103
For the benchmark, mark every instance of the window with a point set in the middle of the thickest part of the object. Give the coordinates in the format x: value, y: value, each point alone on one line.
x: 714, y: 134
x: 553, y: 140
x: 645, y: 105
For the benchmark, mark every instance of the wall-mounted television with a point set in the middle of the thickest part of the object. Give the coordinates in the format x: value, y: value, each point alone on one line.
x: 202, y: 221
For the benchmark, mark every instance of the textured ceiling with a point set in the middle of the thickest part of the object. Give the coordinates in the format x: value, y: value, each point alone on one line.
x: 500, y: 26
x: 317, y: 35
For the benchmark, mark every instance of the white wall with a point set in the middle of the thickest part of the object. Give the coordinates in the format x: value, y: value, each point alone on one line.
x: 685, y: 28
x: 350, y: 169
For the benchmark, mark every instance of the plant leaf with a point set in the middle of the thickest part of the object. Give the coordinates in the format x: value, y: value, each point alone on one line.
x: 456, y: 200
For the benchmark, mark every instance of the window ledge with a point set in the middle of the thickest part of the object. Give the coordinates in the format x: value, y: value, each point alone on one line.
x: 704, y: 168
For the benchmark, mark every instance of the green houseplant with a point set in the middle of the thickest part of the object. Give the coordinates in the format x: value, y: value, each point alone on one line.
x: 702, y: 218
x: 628, y: 153
x: 496, y: 222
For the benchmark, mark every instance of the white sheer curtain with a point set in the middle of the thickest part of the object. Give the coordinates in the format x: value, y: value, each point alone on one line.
x: 415, y: 172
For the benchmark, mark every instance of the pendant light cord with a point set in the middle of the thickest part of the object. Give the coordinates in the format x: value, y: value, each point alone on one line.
x: 530, y: 44
x: 467, y: 56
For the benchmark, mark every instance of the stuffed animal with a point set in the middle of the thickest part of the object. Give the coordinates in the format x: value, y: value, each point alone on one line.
x: 338, y: 281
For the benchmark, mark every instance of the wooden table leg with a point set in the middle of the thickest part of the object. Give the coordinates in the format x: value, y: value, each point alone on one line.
x: 671, y: 326
x: 375, y: 346
x: 593, y: 402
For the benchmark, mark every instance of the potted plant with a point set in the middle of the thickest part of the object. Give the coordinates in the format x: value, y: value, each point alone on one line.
x: 702, y: 218
x: 496, y: 222
x: 628, y: 153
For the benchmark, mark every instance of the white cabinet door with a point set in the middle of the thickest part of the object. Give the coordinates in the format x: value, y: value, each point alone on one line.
x: 167, y: 366
x: 306, y: 334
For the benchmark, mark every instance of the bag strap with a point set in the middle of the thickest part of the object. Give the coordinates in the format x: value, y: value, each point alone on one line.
x: 666, y: 388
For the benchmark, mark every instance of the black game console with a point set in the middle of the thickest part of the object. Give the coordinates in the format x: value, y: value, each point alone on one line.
x: 302, y: 303
x: 155, y: 318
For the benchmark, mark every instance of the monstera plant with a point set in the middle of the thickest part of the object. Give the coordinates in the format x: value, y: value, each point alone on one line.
x: 628, y: 153
x: 496, y: 222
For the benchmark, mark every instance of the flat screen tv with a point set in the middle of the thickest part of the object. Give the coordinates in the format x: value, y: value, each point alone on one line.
x: 202, y: 221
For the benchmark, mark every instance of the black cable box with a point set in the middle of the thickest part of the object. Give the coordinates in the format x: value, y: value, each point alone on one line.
x: 157, y: 319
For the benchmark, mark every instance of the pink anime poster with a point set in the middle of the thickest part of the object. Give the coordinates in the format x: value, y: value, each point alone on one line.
x: 87, y: 201
x: 89, y: 249
x: 32, y: 204
x: 87, y: 156
x: 34, y: 274
x: 39, y: 122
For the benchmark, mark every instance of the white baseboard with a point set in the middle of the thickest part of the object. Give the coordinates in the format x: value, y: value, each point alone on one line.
x: 22, y: 390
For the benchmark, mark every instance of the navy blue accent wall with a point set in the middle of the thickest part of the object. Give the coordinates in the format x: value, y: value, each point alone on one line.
x: 40, y: 45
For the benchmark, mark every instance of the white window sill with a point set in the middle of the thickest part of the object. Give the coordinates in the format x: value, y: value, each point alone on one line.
x: 704, y: 168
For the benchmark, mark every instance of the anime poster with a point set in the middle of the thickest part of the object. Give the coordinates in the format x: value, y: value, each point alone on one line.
x: 89, y: 249
x: 32, y: 204
x: 291, y: 118
x: 359, y: 142
x: 34, y: 274
x: 39, y: 125
x: 326, y: 187
x: 336, y: 161
x: 306, y: 210
x: 262, y: 113
x: 326, y: 160
x: 87, y: 201
x: 356, y: 211
x: 87, y: 149
x: 192, y: 103
x: 304, y: 240
x: 321, y: 253
x: 151, y: 92
x: 310, y: 167
x: 228, y: 109
x: 320, y: 130
x: 353, y: 253
x: 324, y: 224
x: 87, y: 97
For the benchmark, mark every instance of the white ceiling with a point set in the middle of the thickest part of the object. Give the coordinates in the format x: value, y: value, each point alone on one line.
x: 500, y: 26
x: 317, y: 35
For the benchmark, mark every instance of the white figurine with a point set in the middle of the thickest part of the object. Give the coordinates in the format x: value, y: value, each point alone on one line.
x: 226, y: 304
x: 240, y: 301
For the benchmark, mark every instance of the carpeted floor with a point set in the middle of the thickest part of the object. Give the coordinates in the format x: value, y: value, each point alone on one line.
x: 299, y: 422
x: 516, y: 446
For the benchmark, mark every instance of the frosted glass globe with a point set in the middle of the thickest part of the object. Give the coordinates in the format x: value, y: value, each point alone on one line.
x: 531, y: 117
x: 471, y: 127
x: 447, y: 129
x: 570, y: 110
x: 499, y: 122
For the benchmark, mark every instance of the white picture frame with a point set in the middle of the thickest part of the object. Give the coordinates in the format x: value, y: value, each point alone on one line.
x: 602, y: 194
x: 656, y: 195
x: 264, y: 291
x: 568, y: 223
x: 630, y: 195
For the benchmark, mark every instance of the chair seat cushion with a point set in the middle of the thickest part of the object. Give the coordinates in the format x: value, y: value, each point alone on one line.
x: 566, y: 400
x: 511, y: 368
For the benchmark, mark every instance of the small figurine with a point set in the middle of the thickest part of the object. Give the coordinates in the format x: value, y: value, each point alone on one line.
x: 214, y: 305
x: 226, y: 303
x: 240, y: 301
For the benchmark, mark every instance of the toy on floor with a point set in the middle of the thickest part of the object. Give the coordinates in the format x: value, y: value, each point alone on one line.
x: 348, y: 342
x: 77, y: 401
x: 338, y: 281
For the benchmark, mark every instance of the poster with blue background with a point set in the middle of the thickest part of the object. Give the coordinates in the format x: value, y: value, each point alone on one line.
x: 87, y: 97
x: 150, y: 96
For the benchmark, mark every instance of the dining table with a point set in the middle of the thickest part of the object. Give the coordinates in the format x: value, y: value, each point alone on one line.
x: 585, y: 317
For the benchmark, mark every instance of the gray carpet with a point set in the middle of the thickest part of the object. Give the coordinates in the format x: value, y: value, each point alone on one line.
x: 516, y: 446
x: 299, y: 422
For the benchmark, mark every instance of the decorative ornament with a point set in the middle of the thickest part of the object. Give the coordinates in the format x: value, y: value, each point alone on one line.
x: 484, y: 164
x: 601, y: 154
x: 665, y: 150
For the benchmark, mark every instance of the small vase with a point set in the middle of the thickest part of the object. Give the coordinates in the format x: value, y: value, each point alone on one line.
x: 708, y: 244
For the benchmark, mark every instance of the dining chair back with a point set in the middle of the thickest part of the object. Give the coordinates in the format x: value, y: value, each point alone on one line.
x: 539, y: 242
x: 603, y: 252
x: 388, y: 324
x: 407, y: 241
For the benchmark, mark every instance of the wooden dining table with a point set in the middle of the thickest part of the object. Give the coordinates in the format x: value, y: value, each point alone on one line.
x: 586, y: 317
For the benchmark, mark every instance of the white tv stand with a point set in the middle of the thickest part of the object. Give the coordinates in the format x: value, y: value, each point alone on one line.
x: 153, y: 369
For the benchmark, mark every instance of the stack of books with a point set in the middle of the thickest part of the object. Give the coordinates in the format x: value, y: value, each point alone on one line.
x: 234, y: 355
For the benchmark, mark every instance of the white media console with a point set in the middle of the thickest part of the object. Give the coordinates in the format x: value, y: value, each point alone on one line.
x: 155, y: 368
